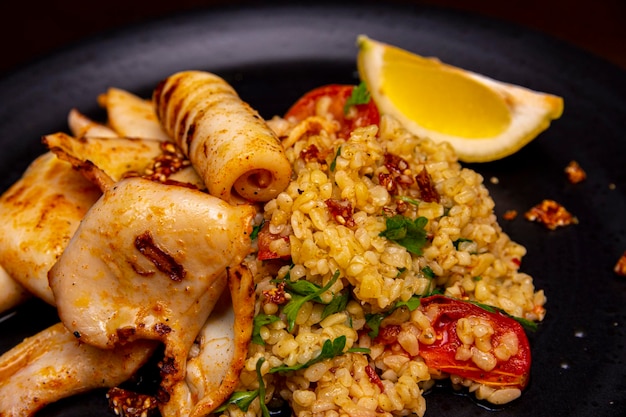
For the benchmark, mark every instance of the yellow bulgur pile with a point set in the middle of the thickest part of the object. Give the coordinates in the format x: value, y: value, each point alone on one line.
x: 326, y: 227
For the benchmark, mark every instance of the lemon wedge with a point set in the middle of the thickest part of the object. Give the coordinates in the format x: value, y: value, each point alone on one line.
x: 482, y: 118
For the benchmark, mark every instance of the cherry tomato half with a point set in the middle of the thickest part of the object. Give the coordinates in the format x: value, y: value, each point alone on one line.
x: 361, y: 115
x: 445, y: 313
x: 513, y: 372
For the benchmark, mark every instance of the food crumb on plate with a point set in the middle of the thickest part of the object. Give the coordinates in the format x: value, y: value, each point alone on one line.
x: 510, y: 215
x: 551, y: 214
x: 575, y: 173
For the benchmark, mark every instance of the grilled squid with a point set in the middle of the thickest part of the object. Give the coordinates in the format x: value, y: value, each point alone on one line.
x: 149, y: 261
x: 131, y: 116
x: 123, y: 157
x: 219, y: 352
x: 12, y: 293
x: 52, y: 365
x: 38, y: 215
x: 40, y: 212
x: 228, y: 143
x: 82, y: 126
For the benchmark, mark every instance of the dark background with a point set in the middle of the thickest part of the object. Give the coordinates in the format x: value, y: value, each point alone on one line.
x: 30, y: 30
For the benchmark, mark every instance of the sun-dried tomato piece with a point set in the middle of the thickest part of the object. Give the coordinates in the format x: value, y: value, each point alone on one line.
x: 428, y: 193
x: 276, y: 295
x: 575, y: 173
x: 374, y: 378
x: 341, y: 211
x: 387, y: 181
x: 551, y: 214
x: 312, y: 153
x: 126, y: 403
x: 399, y: 168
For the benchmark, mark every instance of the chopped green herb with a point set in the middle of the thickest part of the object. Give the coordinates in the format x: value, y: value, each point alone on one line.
x: 297, y: 301
x: 256, y: 230
x: 460, y: 240
x: 333, y: 164
x: 241, y: 399
x: 400, y: 272
x: 330, y: 349
x: 359, y: 95
x: 428, y: 272
x: 408, y: 200
x: 259, y: 321
x: 373, y: 322
x: 360, y: 350
x: 477, y: 278
x: 264, y: 410
x: 406, y: 232
x: 302, y: 287
x: 337, y: 304
x: 412, y: 303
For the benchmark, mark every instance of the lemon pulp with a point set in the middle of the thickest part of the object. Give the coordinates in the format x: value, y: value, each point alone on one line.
x: 446, y: 102
x: 442, y: 99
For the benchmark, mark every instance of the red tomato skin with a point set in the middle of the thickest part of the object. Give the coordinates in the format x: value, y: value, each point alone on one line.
x: 264, y: 239
x: 366, y: 114
x: 440, y: 355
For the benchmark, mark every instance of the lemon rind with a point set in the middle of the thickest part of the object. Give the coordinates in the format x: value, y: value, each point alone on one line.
x: 533, y: 110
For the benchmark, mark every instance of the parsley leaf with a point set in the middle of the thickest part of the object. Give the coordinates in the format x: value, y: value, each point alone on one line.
x: 301, y: 287
x: 330, y: 349
x: 297, y: 301
x: 460, y: 240
x: 373, y: 322
x: 256, y: 230
x: 259, y: 321
x: 333, y: 164
x: 359, y: 95
x: 428, y: 272
x: 337, y: 304
x: 264, y: 410
x: 412, y: 303
x: 408, y: 200
x: 243, y: 399
x: 406, y: 232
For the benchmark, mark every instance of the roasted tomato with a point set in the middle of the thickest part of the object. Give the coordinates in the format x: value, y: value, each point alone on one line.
x: 265, y: 238
x: 505, y: 365
x: 359, y: 115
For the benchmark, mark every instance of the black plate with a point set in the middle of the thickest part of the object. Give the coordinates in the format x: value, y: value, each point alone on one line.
x: 273, y: 54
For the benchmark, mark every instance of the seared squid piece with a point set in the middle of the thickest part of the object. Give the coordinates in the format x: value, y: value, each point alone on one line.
x: 38, y: 215
x: 230, y: 145
x: 52, y: 365
x: 12, y: 293
x: 41, y: 211
x: 82, y: 126
x: 121, y: 157
x: 131, y: 116
x: 217, y: 357
x: 149, y: 261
